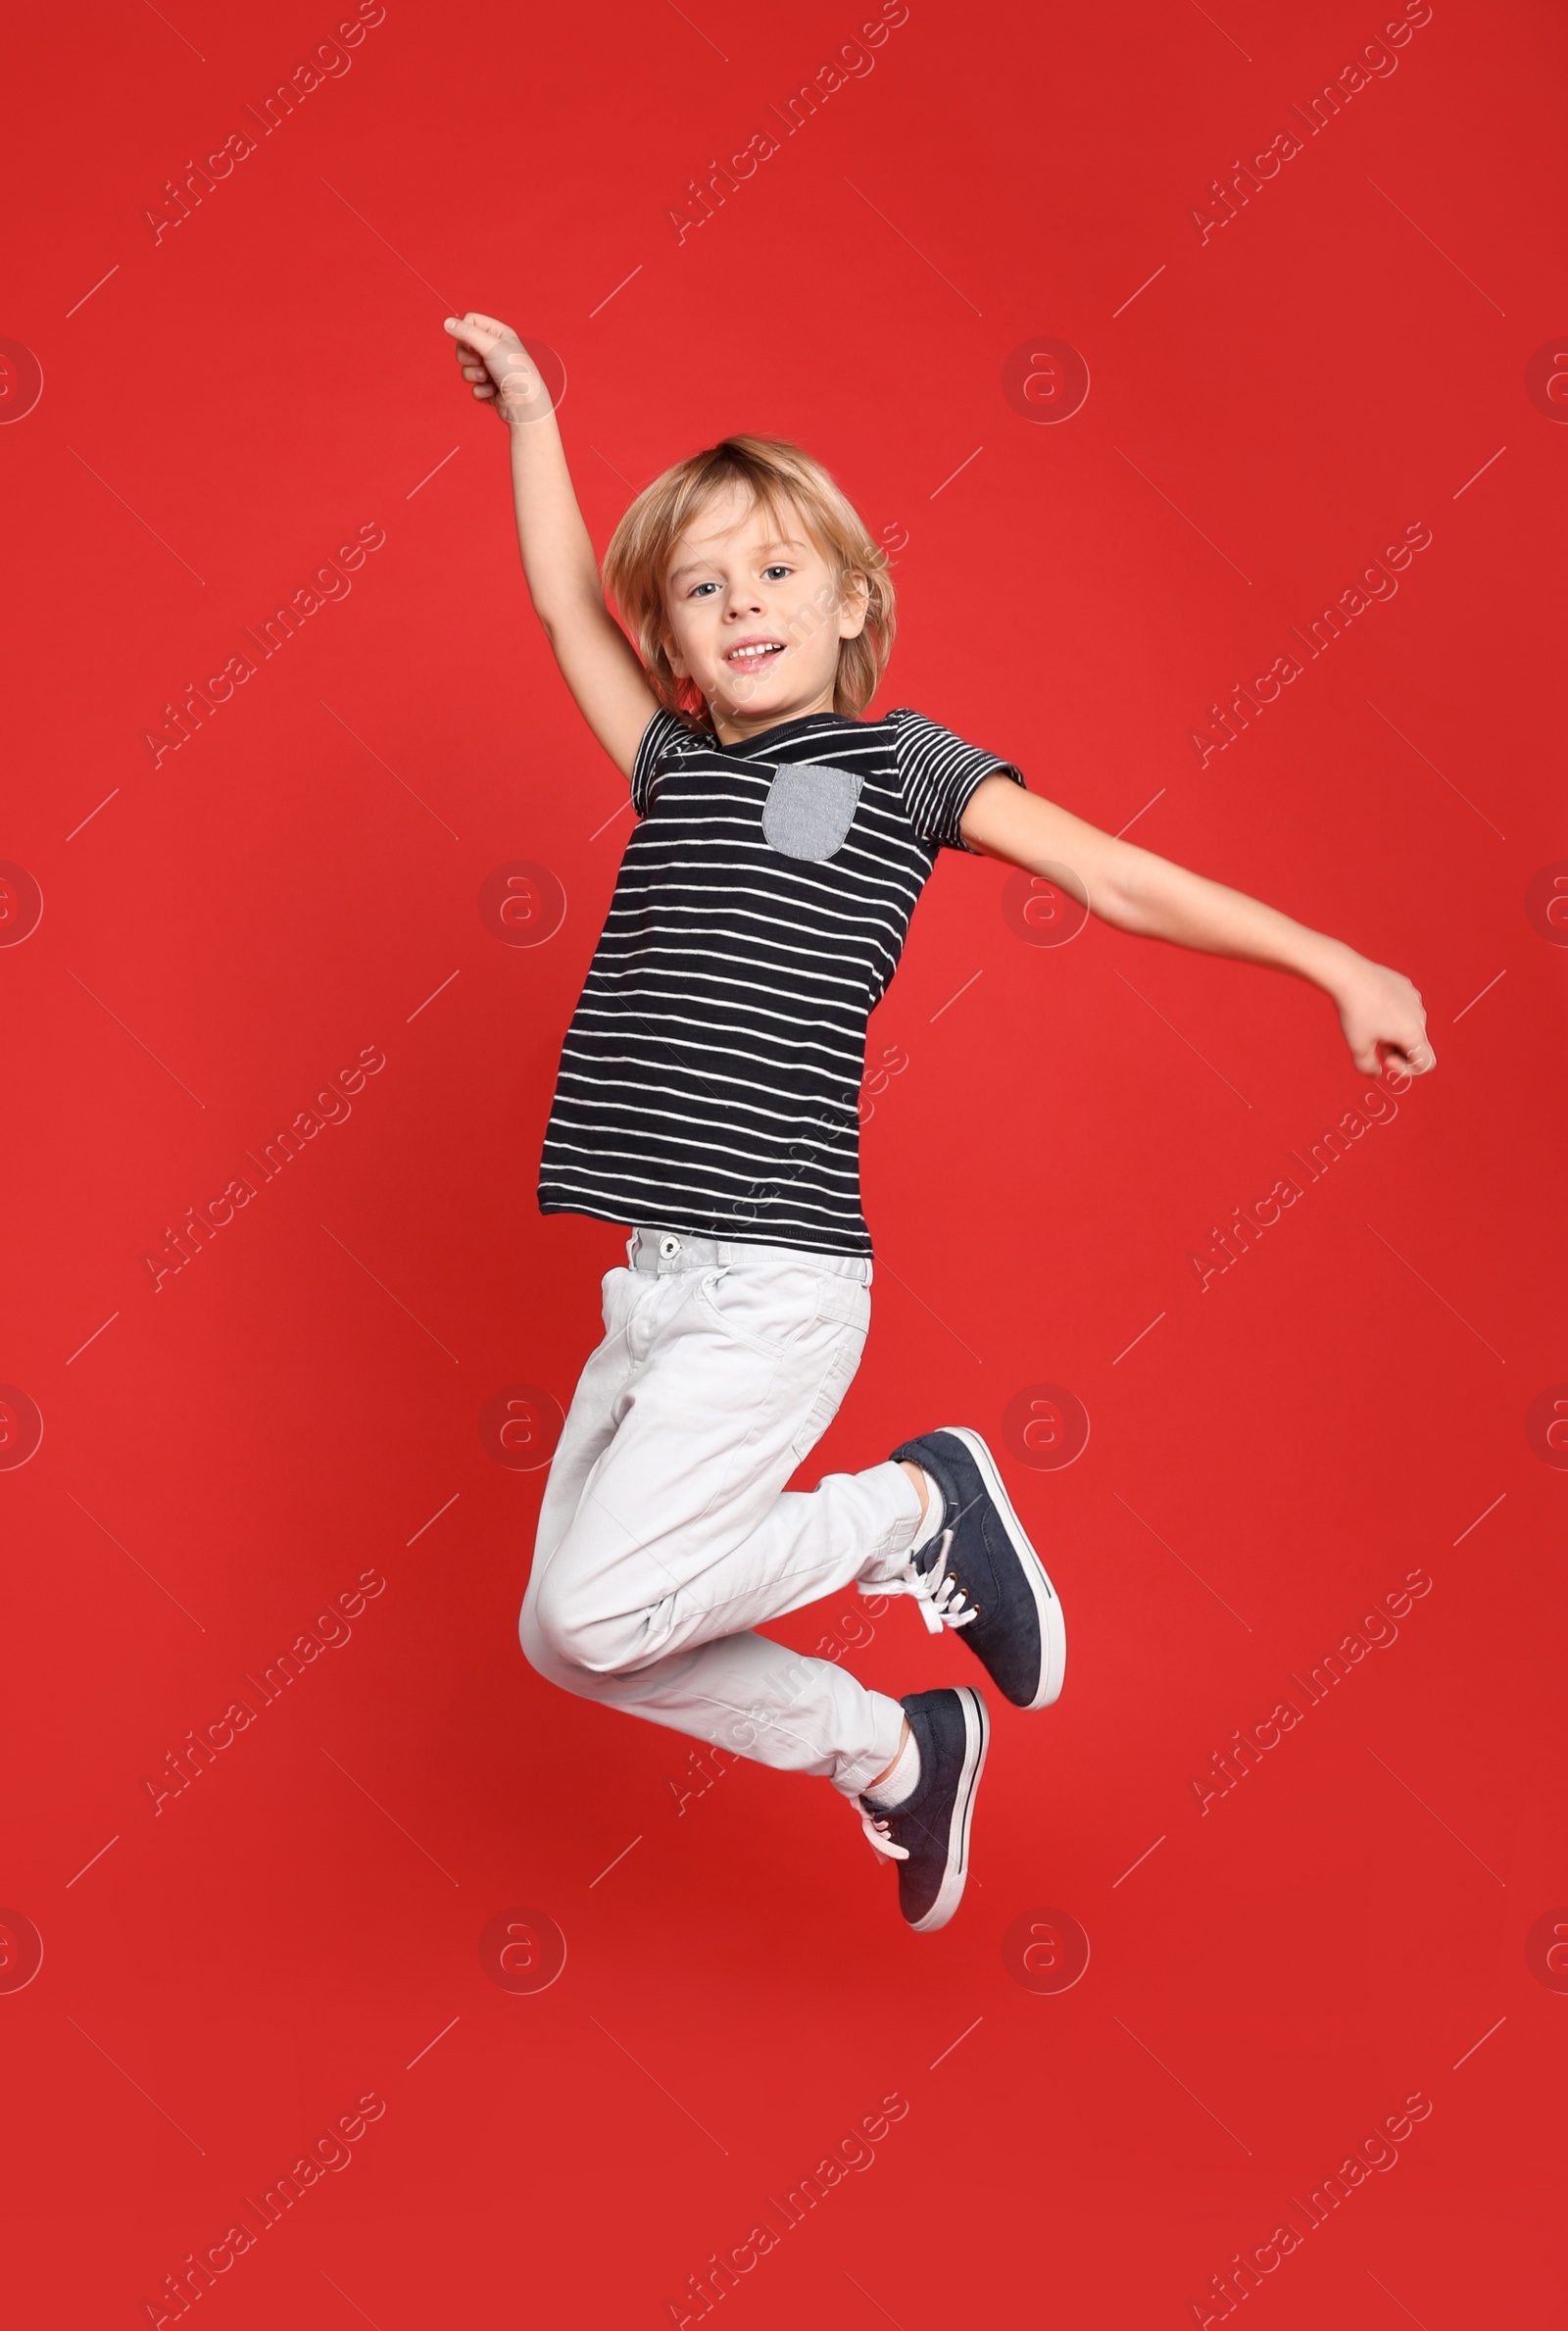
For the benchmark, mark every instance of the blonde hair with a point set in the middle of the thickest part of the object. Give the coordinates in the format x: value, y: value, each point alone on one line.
x: 783, y: 481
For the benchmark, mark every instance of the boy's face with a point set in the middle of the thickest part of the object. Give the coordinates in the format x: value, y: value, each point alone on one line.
x: 756, y: 614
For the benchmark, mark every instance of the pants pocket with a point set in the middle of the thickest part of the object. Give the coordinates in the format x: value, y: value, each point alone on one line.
x: 627, y: 1294
x: 774, y: 1310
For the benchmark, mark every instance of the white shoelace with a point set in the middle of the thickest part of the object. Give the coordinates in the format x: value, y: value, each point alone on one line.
x: 876, y: 1827
x: 940, y: 1600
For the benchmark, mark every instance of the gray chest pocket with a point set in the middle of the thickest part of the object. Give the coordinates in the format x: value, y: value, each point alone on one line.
x: 810, y: 809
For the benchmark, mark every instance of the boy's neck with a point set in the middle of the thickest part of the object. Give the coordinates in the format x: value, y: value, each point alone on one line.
x: 733, y: 728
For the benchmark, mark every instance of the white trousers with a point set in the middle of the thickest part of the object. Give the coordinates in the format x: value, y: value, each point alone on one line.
x: 667, y: 1533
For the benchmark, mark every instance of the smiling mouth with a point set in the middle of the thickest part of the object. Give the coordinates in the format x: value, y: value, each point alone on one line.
x: 753, y: 655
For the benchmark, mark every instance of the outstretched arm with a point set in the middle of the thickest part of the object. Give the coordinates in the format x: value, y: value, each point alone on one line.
x: 596, y: 659
x: 1379, y: 1010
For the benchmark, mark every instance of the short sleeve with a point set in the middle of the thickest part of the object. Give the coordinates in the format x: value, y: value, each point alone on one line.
x: 662, y: 735
x: 938, y: 773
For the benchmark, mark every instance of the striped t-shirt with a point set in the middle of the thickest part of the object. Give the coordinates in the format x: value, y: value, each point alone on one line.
x: 709, y: 1080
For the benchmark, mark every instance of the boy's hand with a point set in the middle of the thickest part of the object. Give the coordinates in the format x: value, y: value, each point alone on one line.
x: 597, y: 661
x: 1382, y: 1020
x: 491, y: 356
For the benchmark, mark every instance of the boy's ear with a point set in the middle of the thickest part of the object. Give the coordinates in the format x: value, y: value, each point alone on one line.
x: 855, y: 598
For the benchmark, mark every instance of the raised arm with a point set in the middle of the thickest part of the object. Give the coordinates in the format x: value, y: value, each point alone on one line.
x: 1379, y: 1010
x: 596, y: 659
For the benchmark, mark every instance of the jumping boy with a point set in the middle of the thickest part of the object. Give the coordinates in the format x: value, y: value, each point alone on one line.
x: 708, y: 1095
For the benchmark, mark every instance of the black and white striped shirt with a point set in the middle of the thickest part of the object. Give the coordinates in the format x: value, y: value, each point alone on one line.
x: 709, y: 1079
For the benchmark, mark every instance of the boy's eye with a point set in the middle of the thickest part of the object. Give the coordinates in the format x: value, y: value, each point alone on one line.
x: 774, y: 574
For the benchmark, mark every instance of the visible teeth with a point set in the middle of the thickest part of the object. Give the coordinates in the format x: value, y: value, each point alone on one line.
x: 735, y: 654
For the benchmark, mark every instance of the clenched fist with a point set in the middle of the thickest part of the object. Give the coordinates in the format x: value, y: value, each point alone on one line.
x: 1382, y: 1020
x: 494, y: 360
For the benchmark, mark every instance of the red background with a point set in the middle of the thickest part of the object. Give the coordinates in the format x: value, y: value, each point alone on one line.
x: 223, y: 930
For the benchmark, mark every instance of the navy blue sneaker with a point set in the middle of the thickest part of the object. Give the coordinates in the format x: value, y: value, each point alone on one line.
x: 928, y: 1835
x: 980, y: 1573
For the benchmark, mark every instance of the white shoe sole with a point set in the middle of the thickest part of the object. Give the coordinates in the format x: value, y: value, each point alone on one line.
x: 976, y: 1736
x: 1048, y: 1604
